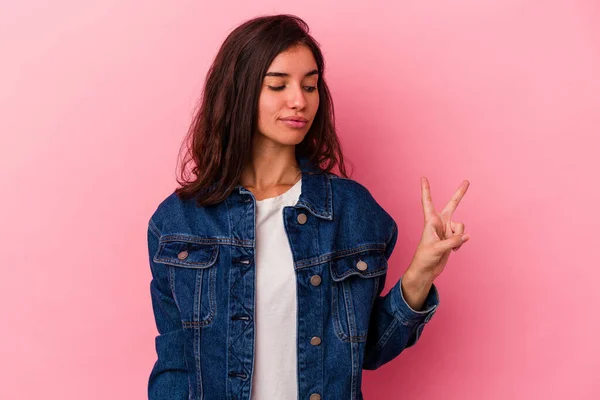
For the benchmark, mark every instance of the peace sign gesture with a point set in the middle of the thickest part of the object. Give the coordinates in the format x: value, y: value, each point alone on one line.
x: 440, y: 234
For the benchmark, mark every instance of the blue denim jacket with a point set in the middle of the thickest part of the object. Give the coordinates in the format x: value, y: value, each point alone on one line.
x: 203, y: 291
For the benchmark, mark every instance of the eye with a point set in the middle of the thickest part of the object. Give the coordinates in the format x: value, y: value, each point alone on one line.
x: 309, y: 89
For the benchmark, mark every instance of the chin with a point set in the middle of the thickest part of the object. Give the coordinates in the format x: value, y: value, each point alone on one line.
x: 289, y: 141
x: 286, y: 137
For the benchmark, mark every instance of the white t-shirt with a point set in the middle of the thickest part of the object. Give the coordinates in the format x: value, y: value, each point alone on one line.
x: 274, y: 375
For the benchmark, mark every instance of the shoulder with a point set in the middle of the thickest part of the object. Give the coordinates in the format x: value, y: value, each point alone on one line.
x: 354, y: 197
x: 172, y: 211
x: 350, y: 187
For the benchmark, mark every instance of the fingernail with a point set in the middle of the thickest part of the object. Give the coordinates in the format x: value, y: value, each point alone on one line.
x: 464, y: 238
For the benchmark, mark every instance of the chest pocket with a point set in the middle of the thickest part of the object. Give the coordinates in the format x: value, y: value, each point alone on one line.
x: 192, y: 275
x: 356, y: 280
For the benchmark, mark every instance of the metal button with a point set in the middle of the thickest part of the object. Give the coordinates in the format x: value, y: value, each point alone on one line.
x: 302, y: 219
x: 315, y: 341
x: 183, y: 255
x: 315, y: 280
x: 315, y: 396
x: 361, y: 265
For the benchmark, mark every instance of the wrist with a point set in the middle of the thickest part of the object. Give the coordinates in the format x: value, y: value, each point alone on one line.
x: 415, y: 288
x: 416, y: 281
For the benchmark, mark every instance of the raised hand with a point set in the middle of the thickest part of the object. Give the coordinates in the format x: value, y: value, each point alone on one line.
x: 440, y: 234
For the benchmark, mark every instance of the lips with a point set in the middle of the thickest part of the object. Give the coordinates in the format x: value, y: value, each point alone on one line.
x: 294, y: 122
x: 297, y: 119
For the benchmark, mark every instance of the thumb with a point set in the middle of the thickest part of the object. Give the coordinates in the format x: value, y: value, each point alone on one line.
x: 451, y: 242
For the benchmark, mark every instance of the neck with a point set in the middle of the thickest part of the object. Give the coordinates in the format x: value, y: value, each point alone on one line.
x: 270, y: 167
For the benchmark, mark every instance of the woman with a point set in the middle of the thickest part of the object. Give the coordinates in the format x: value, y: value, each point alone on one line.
x: 268, y: 267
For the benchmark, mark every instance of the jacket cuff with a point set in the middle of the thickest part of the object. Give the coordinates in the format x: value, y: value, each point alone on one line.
x: 405, y: 314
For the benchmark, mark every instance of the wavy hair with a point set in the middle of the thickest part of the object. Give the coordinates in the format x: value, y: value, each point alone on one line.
x: 218, y: 142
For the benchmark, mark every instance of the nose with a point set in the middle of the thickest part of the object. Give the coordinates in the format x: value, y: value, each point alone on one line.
x: 297, y: 99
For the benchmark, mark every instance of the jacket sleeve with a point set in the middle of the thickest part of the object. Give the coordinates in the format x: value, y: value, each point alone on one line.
x: 168, y: 378
x: 394, y: 325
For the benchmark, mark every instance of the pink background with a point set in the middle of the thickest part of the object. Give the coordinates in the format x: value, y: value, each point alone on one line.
x: 95, y: 98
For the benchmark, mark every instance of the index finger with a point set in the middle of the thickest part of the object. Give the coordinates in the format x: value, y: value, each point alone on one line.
x: 456, y: 198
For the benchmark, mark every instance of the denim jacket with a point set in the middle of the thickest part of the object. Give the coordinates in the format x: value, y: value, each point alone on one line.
x: 203, y: 292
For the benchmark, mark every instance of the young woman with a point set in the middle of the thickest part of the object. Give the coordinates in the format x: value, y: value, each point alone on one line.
x: 268, y: 267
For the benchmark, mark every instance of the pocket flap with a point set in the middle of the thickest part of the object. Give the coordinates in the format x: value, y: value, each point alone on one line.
x: 188, y: 254
x: 366, y: 264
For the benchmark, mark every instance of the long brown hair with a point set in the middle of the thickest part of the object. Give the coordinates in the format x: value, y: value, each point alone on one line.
x: 218, y: 141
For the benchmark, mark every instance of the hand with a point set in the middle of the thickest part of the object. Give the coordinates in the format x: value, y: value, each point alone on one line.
x: 440, y: 235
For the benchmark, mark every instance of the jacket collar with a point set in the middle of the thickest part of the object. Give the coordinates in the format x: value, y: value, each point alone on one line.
x: 315, y: 195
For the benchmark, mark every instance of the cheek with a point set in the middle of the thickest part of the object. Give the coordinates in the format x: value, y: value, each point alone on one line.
x: 268, y: 106
x: 314, y: 105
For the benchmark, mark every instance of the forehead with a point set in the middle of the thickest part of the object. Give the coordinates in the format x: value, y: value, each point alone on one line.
x: 295, y: 60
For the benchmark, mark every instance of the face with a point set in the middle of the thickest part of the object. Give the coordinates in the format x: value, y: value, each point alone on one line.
x: 289, y: 98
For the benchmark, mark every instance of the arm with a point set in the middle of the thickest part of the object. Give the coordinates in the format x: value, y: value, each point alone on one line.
x: 168, y: 378
x: 394, y: 324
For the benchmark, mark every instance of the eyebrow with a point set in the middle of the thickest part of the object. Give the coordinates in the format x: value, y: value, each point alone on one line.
x: 285, y: 75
